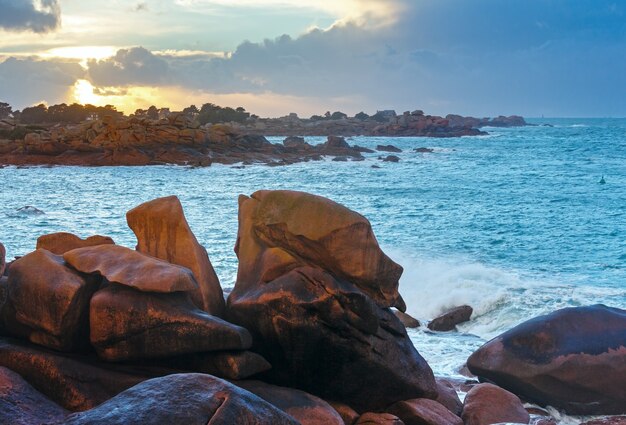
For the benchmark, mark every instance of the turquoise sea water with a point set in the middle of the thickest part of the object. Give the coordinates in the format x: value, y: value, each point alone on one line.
x: 515, y: 224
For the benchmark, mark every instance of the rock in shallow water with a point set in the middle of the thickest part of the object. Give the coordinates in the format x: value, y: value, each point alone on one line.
x: 163, y: 232
x: 129, y: 324
x: 189, y: 399
x: 448, y: 320
x: 487, y: 404
x: 573, y: 359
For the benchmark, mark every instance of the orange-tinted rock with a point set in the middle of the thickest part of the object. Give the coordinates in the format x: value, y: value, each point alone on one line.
x: 448, y: 320
x: 280, y: 230
x: 71, y: 382
x: 129, y: 324
x: 328, y: 338
x: 51, y: 300
x: 60, y: 243
x: 408, y: 321
x: 163, y: 232
x: 190, y: 399
x: 3, y: 254
x: 573, y: 359
x: 487, y: 404
x: 347, y: 413
x: 223, y: 364
x: 422, y: 411
x: 306, y: 408
x: 131, y: 268
x: 448, y: 397
x: 378, y: 419
x: 21, y: 404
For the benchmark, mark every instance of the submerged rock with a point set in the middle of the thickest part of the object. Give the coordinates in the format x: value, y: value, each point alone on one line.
x: 163, y: 232
x: 313, y: 287
x: 129, y: 324
x: 573, y: 359
x: 487, y: 404
x: 60, y: 243
x: 190, y: 399
x: 448, y: 320
x: 21, y: 404
x: 121, y: 265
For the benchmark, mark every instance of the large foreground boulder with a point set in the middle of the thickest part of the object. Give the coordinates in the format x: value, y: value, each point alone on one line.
x: 314, y: 288
x: 73, y: 382
x: 60, y: 243
x: 190, y: 399
x: 128, y: 324
x: 281, y: 230
x: 50, y: 301
x: 163, y: 232
x: 21, y: 404
x: 573, y: 359
x: 327, y: 337
x: 131, y: 268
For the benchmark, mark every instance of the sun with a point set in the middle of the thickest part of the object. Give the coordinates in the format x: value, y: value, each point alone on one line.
x: 83, y: 93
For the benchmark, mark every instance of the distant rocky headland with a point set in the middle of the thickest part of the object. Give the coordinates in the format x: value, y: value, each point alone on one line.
x: 201, y: 137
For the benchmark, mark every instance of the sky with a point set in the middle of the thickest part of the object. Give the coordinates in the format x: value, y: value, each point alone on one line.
x: 556, y: 58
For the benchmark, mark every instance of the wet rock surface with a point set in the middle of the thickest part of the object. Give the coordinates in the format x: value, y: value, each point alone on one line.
x: 448, y: 320
x: 573, y: 359
x: 487, y: 404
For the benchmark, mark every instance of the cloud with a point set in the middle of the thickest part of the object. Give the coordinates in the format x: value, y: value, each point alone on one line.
x: 38, y: 16
x: 135, y: 66
x: 24, y: 82
x: 530, y: 57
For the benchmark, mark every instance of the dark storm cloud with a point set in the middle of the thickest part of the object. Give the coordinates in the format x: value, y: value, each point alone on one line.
x: 27, y: 81
x: 30, y: 15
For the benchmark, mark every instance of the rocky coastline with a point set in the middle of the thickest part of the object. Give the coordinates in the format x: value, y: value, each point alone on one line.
x: 312, y: 333
x: 179, y: 139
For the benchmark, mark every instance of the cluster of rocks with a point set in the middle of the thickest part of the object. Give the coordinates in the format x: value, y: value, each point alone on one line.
x: 92, y: 332
x: 414, y: 124
x: 173, y: 140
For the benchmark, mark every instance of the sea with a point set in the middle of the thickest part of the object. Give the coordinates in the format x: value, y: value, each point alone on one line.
x: 516, y: 224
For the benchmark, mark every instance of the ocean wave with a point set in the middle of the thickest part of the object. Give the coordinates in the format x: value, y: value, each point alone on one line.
x: 501, y: 298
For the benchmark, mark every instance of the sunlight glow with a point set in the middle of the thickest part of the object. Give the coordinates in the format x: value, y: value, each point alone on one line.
x: 81, y: 53
x: 83, y: 92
